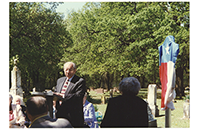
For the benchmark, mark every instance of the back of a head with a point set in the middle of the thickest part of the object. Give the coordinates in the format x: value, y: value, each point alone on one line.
x: 129, y: 85
x: 36, y: 105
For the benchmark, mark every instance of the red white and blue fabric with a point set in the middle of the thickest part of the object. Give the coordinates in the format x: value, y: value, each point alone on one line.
x: 168, y: 53
x: 64, y: 88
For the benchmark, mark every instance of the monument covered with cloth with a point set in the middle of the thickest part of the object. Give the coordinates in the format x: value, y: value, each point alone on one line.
x: 168, y: 53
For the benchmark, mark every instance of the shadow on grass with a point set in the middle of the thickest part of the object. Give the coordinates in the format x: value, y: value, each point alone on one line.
x: 94, y: 101
x: 160, y: 115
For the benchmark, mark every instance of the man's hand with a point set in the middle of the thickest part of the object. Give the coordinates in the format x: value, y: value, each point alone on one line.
x: 59, y: 94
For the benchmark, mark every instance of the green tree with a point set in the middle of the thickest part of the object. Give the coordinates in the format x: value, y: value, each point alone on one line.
x: 177, y: 23
x: 38, y: 36
x: 122, y: 39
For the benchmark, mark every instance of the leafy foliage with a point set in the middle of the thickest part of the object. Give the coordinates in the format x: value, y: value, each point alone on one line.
x: 122, y: 38
x: 107, y: 41
x: 36, y: 36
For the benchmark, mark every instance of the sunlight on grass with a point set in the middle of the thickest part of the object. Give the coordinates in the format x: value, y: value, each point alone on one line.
x: 176, y: 115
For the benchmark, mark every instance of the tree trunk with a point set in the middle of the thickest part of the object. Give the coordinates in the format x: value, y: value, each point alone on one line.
x: 107, y: 80
x: 179, y: 80
x: 122, y: 77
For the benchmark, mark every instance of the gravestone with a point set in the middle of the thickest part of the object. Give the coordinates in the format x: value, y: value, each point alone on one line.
x: 152, y: 96
x: 34, y: 89
x: 16, y: 81
x: 186, y: 109
x: 111, y: 93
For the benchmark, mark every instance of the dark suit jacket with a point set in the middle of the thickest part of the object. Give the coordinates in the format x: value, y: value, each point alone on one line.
x: 126, y: 111
x: 72, y: 105
x: 48, y: 122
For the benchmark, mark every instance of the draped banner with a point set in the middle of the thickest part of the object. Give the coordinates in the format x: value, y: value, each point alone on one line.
x: 168, y: 53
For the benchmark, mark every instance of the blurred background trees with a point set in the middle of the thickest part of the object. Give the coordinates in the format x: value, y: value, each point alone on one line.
x: 107, y: 41
x: 37, y: 37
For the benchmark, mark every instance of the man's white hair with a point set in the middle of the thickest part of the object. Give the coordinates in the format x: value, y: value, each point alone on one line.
x: 74, y: 65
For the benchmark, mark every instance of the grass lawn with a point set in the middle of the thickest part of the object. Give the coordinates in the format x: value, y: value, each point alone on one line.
x: 176, y: 115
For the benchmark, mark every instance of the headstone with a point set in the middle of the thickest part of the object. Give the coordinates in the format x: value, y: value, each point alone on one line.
x: 111, y: 93
x: 152, y: 96
x: 16, y: 81
x: 186, y: 109
x: 34, y: 89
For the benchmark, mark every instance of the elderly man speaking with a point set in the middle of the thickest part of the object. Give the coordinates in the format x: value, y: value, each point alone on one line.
x: 126, y: 110
x: 72, y: 88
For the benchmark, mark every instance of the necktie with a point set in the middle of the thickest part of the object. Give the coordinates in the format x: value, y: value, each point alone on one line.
x: 64, y: 88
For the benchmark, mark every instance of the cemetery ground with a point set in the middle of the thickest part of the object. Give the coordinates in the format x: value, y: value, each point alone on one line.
x: 176, y: 115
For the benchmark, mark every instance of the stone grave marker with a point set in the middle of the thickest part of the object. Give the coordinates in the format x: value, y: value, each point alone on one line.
x: 152, y: 96
x: 16, y: 81
x: 186, y: 109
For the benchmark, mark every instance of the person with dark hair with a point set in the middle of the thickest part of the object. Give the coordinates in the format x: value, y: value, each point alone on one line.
x: 126, y: 110
x: 72, y: 88
x: 37, y: 110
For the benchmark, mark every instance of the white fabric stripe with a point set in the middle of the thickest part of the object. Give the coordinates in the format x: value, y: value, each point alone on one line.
x: 63, y: 88
x: 170, y: 93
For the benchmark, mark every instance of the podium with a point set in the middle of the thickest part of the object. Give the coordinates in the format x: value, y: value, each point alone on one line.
x: 50, y: 97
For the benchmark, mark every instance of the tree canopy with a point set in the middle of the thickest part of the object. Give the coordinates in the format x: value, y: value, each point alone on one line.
x: 37, y: 37
x: 107, y: 40
x: 122, y: 38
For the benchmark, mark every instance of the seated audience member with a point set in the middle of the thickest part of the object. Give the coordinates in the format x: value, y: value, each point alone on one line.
x: 126, y: 110
x: 37, y: 110
x: 18, y: 101
x: 90, y: 120
x: 16, y: 117
x: 54, y: 110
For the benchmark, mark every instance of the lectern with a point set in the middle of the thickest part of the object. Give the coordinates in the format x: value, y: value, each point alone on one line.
x: 50, y: 97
